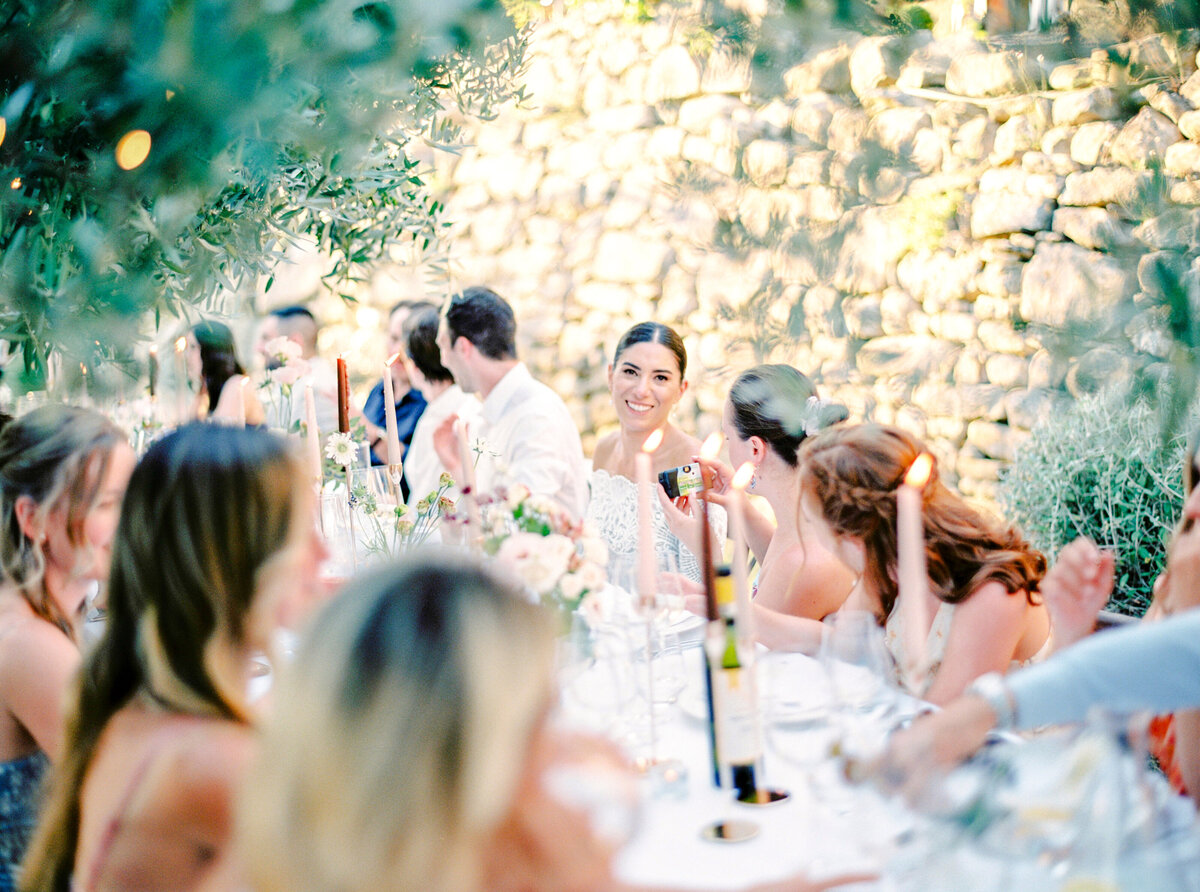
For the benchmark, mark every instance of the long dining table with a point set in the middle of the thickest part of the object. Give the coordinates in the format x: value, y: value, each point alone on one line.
x: 827, y: 825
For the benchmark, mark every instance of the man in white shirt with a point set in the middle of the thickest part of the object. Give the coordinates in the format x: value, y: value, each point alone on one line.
x: 444, y: 398
x: 529, y: 434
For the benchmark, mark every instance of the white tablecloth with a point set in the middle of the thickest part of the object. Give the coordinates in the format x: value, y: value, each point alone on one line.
x: 826, y: 829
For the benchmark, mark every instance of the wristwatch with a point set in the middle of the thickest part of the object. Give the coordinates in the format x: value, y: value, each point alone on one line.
x: 993, y: 690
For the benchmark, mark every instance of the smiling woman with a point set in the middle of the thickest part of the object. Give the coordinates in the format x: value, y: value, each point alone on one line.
x: 63, y: 471
x: 646, y: 380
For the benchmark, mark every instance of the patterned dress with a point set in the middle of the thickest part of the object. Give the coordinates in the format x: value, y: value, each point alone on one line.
x: 20, y: 781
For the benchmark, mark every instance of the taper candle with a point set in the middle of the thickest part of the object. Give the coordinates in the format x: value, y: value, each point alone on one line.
x: 343, y: 393
x: 646, y: 572
x: 312, y: 437
x: 737, y: 532
x: 911, y: 573
x: 708, y: 450
x: 392, y: 436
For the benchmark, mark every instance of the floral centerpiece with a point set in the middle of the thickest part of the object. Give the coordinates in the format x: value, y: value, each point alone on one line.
x: 287, y: 367
x: 379, y: 522
x: 560, y: 560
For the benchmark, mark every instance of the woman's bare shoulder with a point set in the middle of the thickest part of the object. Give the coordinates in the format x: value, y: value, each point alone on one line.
x: 603, y: 454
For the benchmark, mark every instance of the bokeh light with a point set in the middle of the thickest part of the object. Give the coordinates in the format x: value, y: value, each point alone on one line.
x: 132, y: 149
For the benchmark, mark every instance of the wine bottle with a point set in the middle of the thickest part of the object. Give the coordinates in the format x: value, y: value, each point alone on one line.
x: 734, y: 714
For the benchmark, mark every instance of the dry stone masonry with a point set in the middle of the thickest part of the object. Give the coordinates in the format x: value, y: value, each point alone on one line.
x: 901, y: 223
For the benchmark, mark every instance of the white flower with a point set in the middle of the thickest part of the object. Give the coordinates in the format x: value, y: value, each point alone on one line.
x: 592, y: 576
x: 570, y: 587
x: 480, y: 447
x: 595, y: 609
x: 341, y: 449
x: 283, y: 349
x: 517, y: 494
x: 289, y: 374
x: 540, y: 561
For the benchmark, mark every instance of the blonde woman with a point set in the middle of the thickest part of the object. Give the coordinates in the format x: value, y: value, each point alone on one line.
x: 62, y: 474
x: 213, y: 537
x: 409, y: 746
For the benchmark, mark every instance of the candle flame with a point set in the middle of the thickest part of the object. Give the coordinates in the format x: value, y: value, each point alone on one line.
x: 653, y: 441
x: 154, y: 349
x: 710, y: 448
x: 180, y: 344
x: 83, y: 369
x: 16, y: 183
x: 918, y: 474
x: 132, y: 149
x: 3, y: 129
x: 742, y: 478
x: 393, y: 359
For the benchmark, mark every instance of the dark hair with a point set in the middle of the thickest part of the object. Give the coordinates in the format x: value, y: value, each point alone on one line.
x: 779, y: 404
x: 420, y: 340
x: 485, y: 319
x: 654, y: 333
x: 218, y: 358
x: 56, y: 455
x: 413, y: 307
x: 206, y: 508
x: 292, y: 311
x: 853, y: 474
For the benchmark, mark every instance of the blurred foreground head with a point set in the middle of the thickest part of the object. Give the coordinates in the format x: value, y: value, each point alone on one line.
x: 399, y: 733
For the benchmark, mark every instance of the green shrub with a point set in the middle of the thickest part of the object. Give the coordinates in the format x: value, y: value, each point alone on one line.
x: 1101, y: 470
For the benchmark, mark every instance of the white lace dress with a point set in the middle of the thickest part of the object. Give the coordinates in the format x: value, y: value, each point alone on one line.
x: 612, y: 510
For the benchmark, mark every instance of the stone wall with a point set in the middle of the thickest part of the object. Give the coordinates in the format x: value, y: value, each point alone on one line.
x: 899, y: 224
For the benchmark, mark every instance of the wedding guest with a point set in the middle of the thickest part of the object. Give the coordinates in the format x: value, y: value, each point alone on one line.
x: 528, y: 432
x: 213, y: 364
x: 1079, y: 586
x: 422, y: 466
x: 215, y: 543
x: 63, y: 471
x: 983, y: 605
x: 1148, y: 666
x: 646, y: 380
x: 410, y: 401
x: 770, y: 412
x: 299, y: 325
x: 411, y: 748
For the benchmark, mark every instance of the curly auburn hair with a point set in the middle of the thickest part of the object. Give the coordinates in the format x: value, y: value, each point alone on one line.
x: 853, y: 474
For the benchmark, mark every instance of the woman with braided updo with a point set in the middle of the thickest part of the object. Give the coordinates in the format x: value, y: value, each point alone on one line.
x: 770, y: 411
x: 983, y: 599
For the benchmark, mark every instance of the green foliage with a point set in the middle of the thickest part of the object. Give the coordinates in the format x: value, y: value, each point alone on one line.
x: 271, y: 123
x: 1101, y: 470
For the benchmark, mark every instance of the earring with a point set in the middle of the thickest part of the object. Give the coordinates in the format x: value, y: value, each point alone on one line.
x: 753, y: 482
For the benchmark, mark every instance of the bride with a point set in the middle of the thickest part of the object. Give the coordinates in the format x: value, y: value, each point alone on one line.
x: 646, y: 380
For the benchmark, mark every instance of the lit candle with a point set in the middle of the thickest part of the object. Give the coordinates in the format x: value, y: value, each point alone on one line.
x: 646, y: 575
x: 708, y: 450
x: 737, y: 532
x: 389, y: 416
x: 181, y: 379
x: 312, y: 437
x: 153, y: 369
x: 343, y: 393
x: 83, y: 380
x: 912, y: 577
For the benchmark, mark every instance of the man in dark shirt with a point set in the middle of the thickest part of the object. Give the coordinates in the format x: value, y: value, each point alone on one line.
x: 410, y: 403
